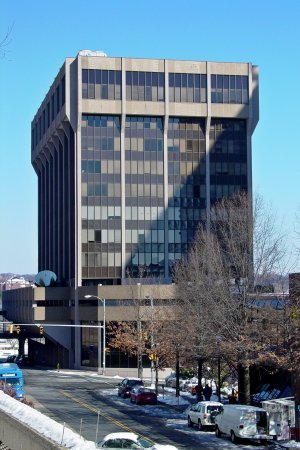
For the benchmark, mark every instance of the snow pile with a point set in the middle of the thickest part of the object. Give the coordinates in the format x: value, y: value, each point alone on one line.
x: 43, y: 424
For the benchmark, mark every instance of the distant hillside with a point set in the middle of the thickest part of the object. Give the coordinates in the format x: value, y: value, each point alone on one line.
x: 5, y: 276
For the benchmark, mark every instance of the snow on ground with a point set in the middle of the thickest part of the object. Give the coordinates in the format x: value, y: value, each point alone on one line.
x: 43, y: 424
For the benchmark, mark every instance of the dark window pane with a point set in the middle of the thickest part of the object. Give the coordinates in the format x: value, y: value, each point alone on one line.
x: 154, y: 79
x: 161, y: 79
x: 128, y: 78
x: 245, y: 82
x: 177, y: 79
x: 148, y: 78
x: 190, y: 80
x: 171, y: 79
x: 226, y: 81
x: 98, y: 76
x: 213, y: 81
x: 91, y: 76
x: 135, y: 78
x: 203, y: 81
x: 141, y: 78
x: 84, y: 75
x: 197, y: 81
x: 118, y: 77
x: 219, y: 81
x: 104, y: 76
x: 184, y: 80
x: 232, y: 82
x: 111, y: 77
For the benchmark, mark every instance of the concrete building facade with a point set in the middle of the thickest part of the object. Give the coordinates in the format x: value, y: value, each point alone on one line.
x: 130, y: 154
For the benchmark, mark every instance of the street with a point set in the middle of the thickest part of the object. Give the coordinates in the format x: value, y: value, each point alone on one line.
x: 81, y: 399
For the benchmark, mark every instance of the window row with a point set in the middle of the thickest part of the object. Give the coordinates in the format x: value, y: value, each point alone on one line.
x: 175, y: 201
x: 100, y: 212
x: 101, y: 259
x: 101, y: 236
x: 144, y: 213
x: 143, y: 167
x: 150, y: 86
x: 187, y: 88
x: 153, y: 247
x: 223, y: 190
x: 229, y: 89
x: 104, y: 167
x: 181, y: 236
x: 145, y: 86
x: 101, y: 189
x: 224, y: 168
x: 102, y: 84
x: 147, y: 258
x: 141, y: 236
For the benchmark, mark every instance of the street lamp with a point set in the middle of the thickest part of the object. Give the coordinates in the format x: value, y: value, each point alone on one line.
x: 218, y: 340
x: 152, y: 338
x: 102, y: 300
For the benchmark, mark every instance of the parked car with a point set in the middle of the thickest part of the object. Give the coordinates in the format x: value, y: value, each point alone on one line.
x: 170, y: 379
x: 203, y: 414
x: 23, y: 360
x: 124, y: 388
x: 11, y: 358
x: 130, y: 440
x: 242, y: 422
x: 143, y: 396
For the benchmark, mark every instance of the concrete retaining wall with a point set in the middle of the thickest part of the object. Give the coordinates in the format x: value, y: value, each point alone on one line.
x: 16, y: 436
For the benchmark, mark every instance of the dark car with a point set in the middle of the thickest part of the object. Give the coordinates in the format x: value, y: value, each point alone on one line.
x: 124, y: 388
x: 23, y: 360
x: 11, y: 358
x: 143, y: 396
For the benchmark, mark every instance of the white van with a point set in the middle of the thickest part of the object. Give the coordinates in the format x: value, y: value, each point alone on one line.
x: 242, y: 421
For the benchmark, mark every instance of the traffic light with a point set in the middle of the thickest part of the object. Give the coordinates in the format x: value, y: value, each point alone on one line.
x: 41, y: 329
x: 18, y: 329
x: 153, y: 356
x: 107, y: 350
x: 11, y: 328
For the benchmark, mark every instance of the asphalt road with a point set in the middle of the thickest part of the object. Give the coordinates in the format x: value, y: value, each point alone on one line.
x: 80, y: 402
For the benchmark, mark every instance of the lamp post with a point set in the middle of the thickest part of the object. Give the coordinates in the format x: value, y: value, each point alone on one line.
x: 218, y: 340
x: 102, y: 300
x: 152, y: 339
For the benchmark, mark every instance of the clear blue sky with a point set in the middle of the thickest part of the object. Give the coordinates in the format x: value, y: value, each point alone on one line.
x: 45, y: 32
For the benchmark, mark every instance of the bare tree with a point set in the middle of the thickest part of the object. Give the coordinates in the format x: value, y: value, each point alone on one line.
x: 4, y: 43
x: 216, y: 283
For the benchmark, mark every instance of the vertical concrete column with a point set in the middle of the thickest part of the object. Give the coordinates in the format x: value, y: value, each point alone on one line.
x: 123, y: 191
x: 61, y: 204
x: 38, y: 166
x: 207, y: 148
x: 46, y: 199
x: 78, y: 264
x: 249, y: 131
x: 65, y: 144
x: 166, y: 184
x: 52, y: 181
x: 55, y: 231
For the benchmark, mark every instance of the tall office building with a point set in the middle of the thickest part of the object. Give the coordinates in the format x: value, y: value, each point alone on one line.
x: 130, y: 155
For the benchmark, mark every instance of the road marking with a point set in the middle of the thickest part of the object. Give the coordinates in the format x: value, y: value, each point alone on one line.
x: 106, y: 416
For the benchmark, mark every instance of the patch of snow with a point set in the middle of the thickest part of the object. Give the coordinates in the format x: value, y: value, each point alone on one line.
x: 43, y: 424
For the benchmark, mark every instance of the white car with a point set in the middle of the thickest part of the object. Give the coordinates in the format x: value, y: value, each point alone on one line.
x: 202, y: 414
x: 131, y: 441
